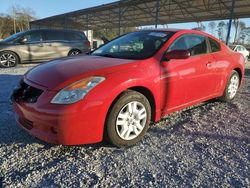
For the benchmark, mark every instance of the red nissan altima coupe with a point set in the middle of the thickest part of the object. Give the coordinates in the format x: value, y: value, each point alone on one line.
x: 117, y: 90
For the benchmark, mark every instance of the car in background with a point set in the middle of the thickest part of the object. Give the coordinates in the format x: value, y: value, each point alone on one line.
x: 241, y: 49
x: 117, y: 90
x: 41, y: 45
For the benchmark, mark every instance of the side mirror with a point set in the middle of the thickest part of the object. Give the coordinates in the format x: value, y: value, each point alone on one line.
x: 177, y: 54
x: 23, y: 40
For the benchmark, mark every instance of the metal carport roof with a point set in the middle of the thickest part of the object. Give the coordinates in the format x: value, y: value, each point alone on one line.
x: 130, y: 13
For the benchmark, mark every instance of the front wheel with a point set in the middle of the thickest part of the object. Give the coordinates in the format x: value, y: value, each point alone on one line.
x: 8, y: 59
x: 128, y: 119
x: 232, y: 87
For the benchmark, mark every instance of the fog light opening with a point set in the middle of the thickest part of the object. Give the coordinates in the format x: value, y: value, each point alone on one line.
x: 53, y: 130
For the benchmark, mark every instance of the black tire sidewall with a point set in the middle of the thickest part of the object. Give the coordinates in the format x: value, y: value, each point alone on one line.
x: 110, y: 126
x: 12, y: 53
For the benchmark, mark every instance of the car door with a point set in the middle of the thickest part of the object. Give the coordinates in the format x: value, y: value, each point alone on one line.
x: 78, y: 40
x: 32, y: 48
x: 188, y: 80
x: 220, y: 63
x: 56, y: 44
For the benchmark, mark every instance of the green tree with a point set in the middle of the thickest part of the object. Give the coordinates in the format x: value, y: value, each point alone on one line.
x: 220, y: 28
x: 112, y: 33
x: 212, y: 26
x: 238, y: 25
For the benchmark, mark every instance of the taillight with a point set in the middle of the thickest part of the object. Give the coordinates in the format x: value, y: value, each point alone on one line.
x: 87, y: 43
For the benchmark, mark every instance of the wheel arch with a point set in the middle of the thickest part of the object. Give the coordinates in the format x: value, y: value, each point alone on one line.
x: 144, y: 91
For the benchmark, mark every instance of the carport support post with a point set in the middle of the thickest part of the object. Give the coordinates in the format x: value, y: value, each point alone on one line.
x: 157, y: 13
x: 230, y: 21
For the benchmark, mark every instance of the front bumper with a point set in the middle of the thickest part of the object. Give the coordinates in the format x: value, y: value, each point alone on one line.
x: 79, y: 123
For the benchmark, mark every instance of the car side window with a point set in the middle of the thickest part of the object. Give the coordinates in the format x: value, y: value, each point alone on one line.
x: 71, y: 36
x: 34, y: 37
x: 195, y: 44
x: 215, y: 46
x: 55, y: 36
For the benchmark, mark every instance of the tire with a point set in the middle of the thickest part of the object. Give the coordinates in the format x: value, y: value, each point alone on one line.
x: 126, y: 125
x: 74, y: 52
x: 232, y: 87
x: 8, y: 59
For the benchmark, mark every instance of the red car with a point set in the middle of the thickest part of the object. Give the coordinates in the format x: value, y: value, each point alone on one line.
x: 117, y: 90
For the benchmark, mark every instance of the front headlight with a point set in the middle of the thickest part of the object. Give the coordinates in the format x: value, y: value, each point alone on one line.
x: 76, y: 91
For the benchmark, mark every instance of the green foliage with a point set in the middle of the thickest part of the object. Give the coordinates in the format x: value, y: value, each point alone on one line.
x: 112, y: 33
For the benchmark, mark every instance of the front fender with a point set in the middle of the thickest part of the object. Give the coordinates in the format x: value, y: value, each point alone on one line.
x: 111, y: 89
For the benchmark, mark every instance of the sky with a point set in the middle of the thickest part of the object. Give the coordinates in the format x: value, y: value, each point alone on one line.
x: 46, y: 8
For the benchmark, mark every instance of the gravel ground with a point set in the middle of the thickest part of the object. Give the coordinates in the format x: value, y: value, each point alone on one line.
x: 202, y: 146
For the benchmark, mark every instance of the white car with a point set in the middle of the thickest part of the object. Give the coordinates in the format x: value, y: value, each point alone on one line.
x: 241, y: 49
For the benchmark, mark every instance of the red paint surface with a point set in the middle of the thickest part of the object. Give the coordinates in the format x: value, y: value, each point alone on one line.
x: 175, y: 84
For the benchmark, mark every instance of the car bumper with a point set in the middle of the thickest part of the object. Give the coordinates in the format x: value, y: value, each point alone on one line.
x: 72, y: 125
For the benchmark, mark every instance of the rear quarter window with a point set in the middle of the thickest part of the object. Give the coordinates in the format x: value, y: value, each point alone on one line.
x: 75, y: 36
x: 215, y: 46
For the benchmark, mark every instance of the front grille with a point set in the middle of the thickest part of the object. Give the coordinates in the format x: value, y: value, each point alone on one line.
x: 26, y: 93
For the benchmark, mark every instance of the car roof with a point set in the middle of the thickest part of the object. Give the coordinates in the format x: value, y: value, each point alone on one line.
x: 175, y: 30
x: 43, y: 29
x: 184, y: 31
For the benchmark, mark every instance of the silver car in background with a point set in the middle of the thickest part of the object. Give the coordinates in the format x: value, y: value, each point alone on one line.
x: 41, y: 45
x: 240, y: 49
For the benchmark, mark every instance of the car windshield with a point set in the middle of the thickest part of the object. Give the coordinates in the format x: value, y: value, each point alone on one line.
x: 137, y: 45
x: 12, y: 37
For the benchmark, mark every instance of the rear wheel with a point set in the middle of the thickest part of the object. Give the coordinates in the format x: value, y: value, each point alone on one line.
x: 8, y: 59
x: 128, y: 119
x: 74, y: 52
x: 232, y: 87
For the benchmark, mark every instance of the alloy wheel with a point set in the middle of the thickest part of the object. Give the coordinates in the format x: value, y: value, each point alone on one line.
x: 131, y: 120
x: 233, y: 86
x: 7, y: 60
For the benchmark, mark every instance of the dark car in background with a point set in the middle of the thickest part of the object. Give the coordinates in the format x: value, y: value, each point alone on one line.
x: 41, y: 45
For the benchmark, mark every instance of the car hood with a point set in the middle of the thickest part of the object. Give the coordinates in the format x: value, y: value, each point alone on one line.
x: 59, y: 73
